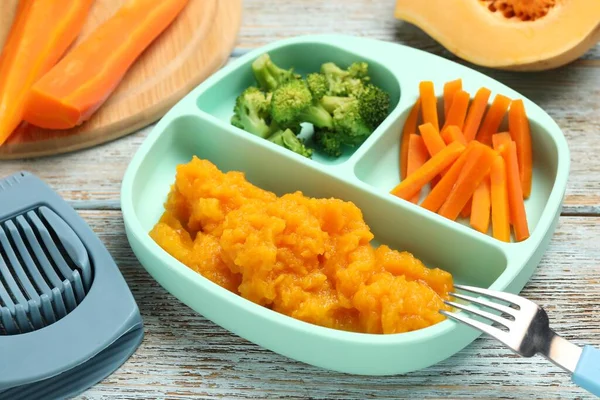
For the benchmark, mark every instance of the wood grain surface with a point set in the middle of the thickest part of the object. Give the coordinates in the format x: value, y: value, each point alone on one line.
x: 194, y: 46
x: 186, y: 357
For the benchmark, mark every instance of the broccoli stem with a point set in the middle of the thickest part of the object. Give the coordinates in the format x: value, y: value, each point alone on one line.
x: 268, y: 75
x: 318, y: 116
x: 290, y: 141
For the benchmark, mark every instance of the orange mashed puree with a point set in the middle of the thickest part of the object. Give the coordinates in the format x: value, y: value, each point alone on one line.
x: 304, y: 257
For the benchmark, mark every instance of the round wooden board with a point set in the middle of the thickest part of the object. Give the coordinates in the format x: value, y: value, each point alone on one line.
x: 194, y: 46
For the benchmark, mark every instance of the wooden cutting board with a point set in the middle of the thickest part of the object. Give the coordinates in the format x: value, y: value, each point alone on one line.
x: 193, y: 47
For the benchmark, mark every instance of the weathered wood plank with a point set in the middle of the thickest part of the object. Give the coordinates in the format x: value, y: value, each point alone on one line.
x: 184, y: 355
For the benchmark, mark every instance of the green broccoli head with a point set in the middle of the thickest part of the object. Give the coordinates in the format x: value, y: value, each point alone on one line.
x: 268, y: 75
x: 374, y: 105
x: 349, y: 123
x: 296, y: 128
x: 286, y: 138
x: 251, y: 112
x: 345, y: 82
x: 329, y: 142
x: 292, y: 103
x: 359, y: 70
x: 330, y: 103
x: 317, y: 84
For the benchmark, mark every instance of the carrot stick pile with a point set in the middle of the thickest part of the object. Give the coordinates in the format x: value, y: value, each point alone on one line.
x: 474, y: 168
x: 50, y: 81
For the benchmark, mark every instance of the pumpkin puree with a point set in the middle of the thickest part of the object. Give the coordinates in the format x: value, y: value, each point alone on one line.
x: 304, y: 257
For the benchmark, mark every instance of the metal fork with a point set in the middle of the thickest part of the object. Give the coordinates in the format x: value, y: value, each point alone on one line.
x: 525, y: 329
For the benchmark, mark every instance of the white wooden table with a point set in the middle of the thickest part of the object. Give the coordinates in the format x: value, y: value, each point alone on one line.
x: 185, y: 356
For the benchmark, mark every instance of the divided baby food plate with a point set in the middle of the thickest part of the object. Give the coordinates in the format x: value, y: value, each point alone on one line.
x: 199, y: 125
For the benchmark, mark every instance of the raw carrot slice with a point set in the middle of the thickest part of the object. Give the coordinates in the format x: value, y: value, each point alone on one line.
x: 429, y: 104
x: 501, y: 139
x: 493, y: 118
x: 518, y: 125
x: 499, y: 196
x: 417, y: 156
x: 458, y: 111
x: 80, y: 83
x: 515, y: 193
x: 452, y: 133
x: 500, y: 142
x: 466, y: 211
x: 480, y: 211
x: 436, y: 164
x: 440, y: 192
x: 41, y: 33
x: 410, y: 126
x: 432, y: 139
x: 475, y: 169
x: 450, y: 88
x: 475, y: 113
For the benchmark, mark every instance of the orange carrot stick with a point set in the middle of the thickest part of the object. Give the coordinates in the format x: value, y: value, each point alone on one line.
x: 429, y: 104
x: 80, y: 83
x: 515, y: 193
x: 410, y: 126
x: 499, y: 196
x: 475, y: 113
x: 474, y: 171
x: 417, y: 156
x: 432, y: 139
x: 493, y: 118
x: 458, y: 111
x: 466, y: 211
x: 500, y: 142
x: 40, y: 34
x: 436, y: 164
x: 518, y: 125
x: 501, y: 139
x: 480, y: 211
x: 450, y: 88
x: 440, y: 192
x: 452, y: 133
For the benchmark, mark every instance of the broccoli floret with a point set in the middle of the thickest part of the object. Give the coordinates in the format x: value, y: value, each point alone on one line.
x: 359, y: 70
x: 287, y: 138
x: 329, y: 142
x: 317, y: 83
x: 296, y: 128
x: 349, y: 123
x: 268, y: 75
x: 345, y: 82
x: 330, y: 103
x: 292, y: 103
x: 374, y: 105
x: 251, y: 112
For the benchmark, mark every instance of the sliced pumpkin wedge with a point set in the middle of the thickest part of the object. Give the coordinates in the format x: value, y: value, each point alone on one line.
x: 508, y: 34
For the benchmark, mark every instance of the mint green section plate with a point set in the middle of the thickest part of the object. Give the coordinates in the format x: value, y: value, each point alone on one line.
x: 199, y: 125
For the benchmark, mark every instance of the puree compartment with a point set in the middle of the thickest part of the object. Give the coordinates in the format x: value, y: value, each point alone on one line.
x: 469, y: 260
